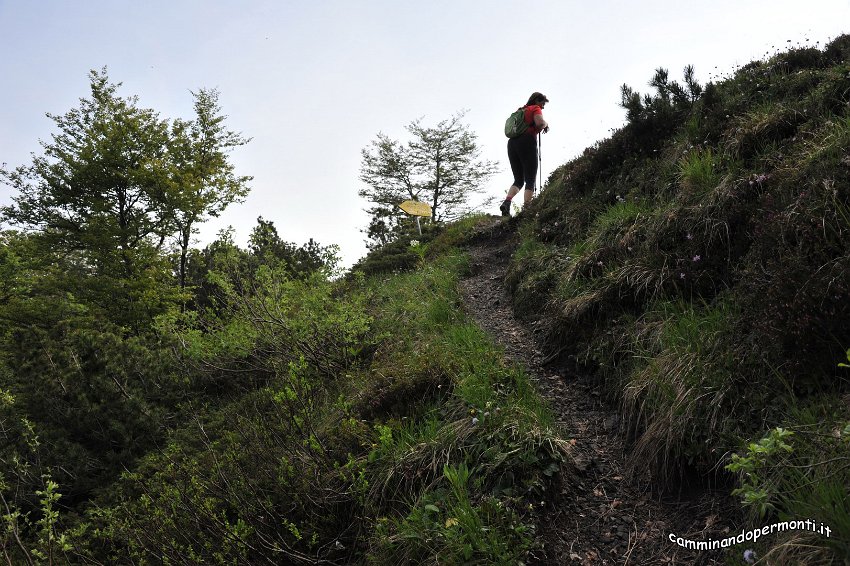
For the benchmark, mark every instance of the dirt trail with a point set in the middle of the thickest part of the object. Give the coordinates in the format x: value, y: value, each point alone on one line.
x: 606, y: 518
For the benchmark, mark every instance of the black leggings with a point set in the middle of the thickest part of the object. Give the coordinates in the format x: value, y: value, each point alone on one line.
x: 522, y: 153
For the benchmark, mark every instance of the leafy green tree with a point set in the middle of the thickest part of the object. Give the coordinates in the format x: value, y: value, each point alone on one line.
x: 439, y: 165
x: 115, y: 184
x: 268, y: 248
x: 203, y: 179
x: 222, y: 256
x: 98, y: 198
x: 100, y: 186
x: 224, y: 264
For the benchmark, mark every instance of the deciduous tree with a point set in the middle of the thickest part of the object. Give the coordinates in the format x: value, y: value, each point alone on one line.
x: 116, y: 183
x: 439, y: 165
x: 101, y: 186
x: 203, y: 177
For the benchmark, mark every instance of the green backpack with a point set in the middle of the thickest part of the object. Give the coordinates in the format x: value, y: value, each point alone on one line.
x: 516, y: 125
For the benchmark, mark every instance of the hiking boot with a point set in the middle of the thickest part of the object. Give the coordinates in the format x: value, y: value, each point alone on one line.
x: 505, y: 208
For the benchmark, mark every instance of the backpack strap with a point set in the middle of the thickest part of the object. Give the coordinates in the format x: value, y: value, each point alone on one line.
x: 524, y: 110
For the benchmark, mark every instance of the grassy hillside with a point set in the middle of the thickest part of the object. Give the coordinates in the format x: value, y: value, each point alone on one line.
x: 359, y: 421
x: 698, y: 263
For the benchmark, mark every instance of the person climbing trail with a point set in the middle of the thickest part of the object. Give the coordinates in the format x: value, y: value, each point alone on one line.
x: 523, y: 151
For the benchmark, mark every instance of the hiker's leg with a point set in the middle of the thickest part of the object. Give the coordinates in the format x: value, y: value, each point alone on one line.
x: 527, y: 197
x: 516, y: 161
x: 516, y: 169
x: 528, y: 155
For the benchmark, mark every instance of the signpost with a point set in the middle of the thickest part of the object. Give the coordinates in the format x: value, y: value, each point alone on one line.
x: 417, y: 209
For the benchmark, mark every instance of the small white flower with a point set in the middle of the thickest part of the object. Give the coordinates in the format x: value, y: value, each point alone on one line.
x: 414, y: 242
x: 749, y: 556
x: 697, y: 257
x: 474, y: 421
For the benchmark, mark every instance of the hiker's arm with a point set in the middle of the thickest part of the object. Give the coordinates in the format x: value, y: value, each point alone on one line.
x: 541, y: 123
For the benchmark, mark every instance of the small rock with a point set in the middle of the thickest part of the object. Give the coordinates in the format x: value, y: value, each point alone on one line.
x: 582, y: 464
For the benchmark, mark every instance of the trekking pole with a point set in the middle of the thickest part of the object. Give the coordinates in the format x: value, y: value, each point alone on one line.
x: 540, y: 159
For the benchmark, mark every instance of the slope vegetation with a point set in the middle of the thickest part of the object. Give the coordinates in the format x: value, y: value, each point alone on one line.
x: 697, y: 263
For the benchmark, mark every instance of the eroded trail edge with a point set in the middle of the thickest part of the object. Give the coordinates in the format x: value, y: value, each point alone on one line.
x: 606, y: 517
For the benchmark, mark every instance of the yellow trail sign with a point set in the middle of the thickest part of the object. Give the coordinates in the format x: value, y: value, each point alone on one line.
x: 416, y: 208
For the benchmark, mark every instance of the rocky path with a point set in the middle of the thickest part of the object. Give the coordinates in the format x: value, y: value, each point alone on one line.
x: 607, y: 517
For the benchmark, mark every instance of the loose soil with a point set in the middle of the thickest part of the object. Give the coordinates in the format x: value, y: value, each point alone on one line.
x: 605, y: 515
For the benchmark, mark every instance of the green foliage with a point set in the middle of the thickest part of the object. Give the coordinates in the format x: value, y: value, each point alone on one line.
x: 96, y: 391
x: 439, y: 165
x: 203, y: 180
x: 359, y: 405
x: 533, y: 272
x: 490, y: 415
x: 100, y: 187
x: 275, y: 323
x: 115, y: 185
x: 619, y: 226
x: 678, y: 387
x: 397, y: 254
x: 669, y: 96
x: 268, y: 249
x: 49, y: 543
x: 754, y: 491
x: 781, y: 480
x: 419, y: 249
x: 222, y: 267
x: 260, y: 475
x: 31, y: 529
x: 698, y: 172
x: 446, y: 526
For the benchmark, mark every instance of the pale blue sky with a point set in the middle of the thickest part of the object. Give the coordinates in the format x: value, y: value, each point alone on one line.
x: 313, y: 82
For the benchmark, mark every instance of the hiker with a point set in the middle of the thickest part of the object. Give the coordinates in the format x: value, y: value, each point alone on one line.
x: 522, y: 151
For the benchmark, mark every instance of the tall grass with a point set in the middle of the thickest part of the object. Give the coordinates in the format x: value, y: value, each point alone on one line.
x: 449, y: 489
x: 699, y: 171
x: 681, y: 397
